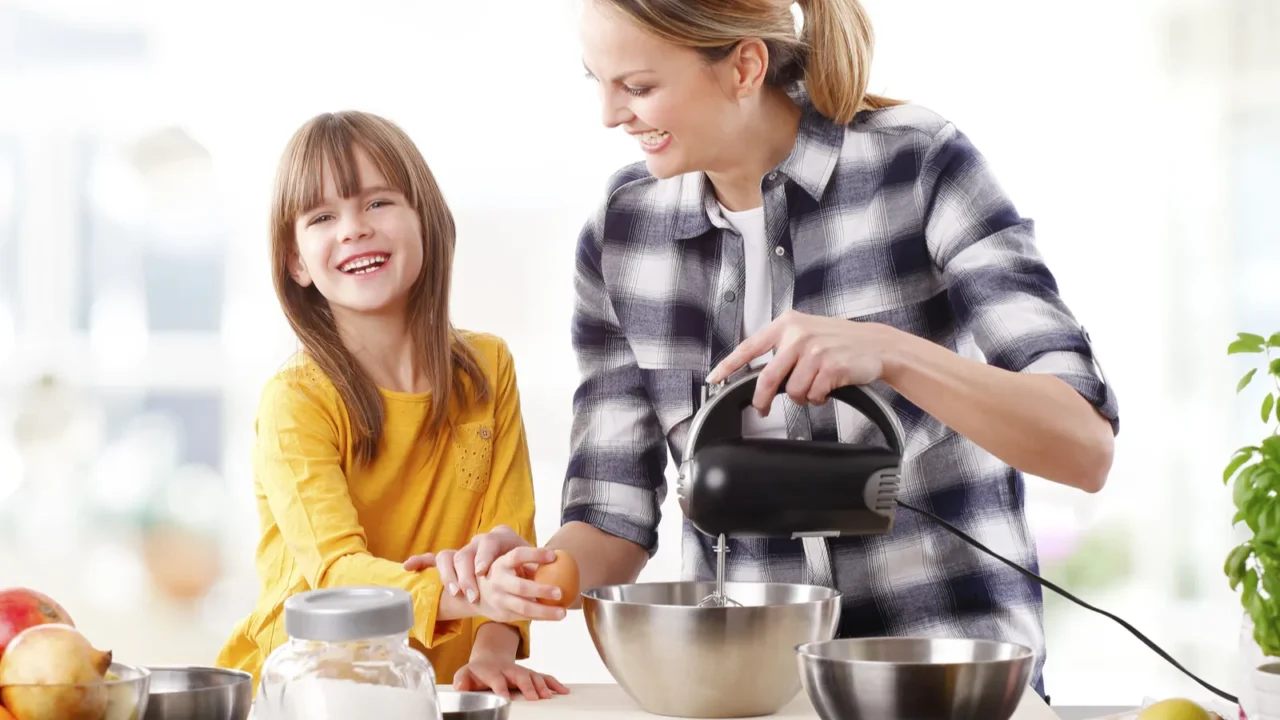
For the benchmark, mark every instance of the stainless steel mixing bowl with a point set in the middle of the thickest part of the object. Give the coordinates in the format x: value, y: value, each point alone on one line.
x: 456, y: 705
x: 674, y: 658
x: 914, y: 678
x: 199, y: 693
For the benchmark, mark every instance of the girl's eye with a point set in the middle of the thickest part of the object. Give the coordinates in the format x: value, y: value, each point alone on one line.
x: 319, y: 218
x: 638, y: 92
x: 379, y: 203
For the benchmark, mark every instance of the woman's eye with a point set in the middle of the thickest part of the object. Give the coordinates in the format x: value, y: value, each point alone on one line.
x: 638, y: 92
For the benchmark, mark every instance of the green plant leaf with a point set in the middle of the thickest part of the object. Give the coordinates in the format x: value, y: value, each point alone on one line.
x: 1244, y: 381
x: 1244, y: 346
x: 1275, y: 367
x: 1271, y: 448
x: 1242, y: 515
x: 1243, y: 487
x: 1242, y: 456
x: 1268, y: 402
x: 1274, y: 340
x: 1237, y: 563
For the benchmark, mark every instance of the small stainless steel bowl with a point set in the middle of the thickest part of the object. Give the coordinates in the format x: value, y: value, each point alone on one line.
x: 199, y: 693
x: 473, y: 706
x: 121, y: 697
x: 914, y: 678
x: 677, y: 659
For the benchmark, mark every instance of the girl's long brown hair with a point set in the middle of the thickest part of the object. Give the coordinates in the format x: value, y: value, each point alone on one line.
x: 832, y: 54
x: 452, y: 366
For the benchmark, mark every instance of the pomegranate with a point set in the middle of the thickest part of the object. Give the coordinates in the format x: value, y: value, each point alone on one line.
x: 52, y: 671
x: 21, y: 608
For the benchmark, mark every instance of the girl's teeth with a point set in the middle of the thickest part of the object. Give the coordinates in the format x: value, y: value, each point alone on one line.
x: 364, y: 265
x: 653, y: 137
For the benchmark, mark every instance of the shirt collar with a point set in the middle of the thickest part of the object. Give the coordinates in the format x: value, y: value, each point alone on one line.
x: 809, y: 165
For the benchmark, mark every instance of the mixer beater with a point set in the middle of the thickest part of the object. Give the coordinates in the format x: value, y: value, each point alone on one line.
x: 718, y: 598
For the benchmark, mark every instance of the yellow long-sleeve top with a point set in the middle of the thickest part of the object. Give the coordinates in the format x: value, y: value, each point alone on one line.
x: 326, y: 521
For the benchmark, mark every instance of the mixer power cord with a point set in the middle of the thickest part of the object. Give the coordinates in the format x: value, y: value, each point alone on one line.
x: 958, y: 533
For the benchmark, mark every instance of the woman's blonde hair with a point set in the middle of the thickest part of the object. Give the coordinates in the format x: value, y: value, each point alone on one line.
x: 452, y: 367
x: 832, y: 54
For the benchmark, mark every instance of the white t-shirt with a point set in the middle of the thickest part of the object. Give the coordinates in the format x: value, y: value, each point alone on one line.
x: 757, y: 311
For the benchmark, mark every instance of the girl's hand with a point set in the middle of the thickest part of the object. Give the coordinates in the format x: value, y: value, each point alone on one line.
x: 502, y: 676
x: 819, y: 354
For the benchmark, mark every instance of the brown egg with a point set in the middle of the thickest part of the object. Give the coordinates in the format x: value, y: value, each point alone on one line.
x: 563, y: 573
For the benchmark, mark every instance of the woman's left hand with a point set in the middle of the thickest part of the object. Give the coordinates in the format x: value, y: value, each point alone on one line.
x: 502, y: 676
x: 819, y: 353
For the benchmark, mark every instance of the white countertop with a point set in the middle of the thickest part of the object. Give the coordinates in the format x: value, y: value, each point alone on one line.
x: 609, y: 702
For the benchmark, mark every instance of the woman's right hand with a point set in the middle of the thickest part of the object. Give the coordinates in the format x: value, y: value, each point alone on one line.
x: 460, y: 569
x: 507, y: 594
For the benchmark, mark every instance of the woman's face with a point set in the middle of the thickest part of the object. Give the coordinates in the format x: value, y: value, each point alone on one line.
x: 683, y: 111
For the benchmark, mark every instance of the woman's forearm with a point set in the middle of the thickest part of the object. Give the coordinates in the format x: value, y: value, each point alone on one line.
x: 1035, y: 422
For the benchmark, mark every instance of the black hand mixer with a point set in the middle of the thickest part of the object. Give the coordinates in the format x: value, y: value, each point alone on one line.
x: 767, y: 487
x: 731, y: 486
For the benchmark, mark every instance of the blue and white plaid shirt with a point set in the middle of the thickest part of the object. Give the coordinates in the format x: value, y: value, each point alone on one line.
x: 894, y: 219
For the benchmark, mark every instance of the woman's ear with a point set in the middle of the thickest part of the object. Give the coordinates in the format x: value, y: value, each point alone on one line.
x: 750, y: 64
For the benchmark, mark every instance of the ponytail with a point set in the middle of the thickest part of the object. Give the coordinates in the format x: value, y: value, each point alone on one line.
x: 839, y: 42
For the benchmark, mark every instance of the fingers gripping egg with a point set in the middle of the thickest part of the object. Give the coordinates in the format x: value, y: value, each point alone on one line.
x: 562, y: 573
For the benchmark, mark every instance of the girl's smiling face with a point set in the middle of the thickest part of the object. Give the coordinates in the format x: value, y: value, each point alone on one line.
x: 362, y: 252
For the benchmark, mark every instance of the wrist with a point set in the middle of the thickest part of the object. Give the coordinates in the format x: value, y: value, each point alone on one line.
x: 495, y: 641
x: 896, y: 353
x: 455, y: 607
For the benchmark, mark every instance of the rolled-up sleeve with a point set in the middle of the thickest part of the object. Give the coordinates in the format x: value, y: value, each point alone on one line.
x: 615, y: 479
x: 998, y: 284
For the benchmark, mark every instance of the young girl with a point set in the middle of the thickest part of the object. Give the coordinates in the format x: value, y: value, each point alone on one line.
x: 391, y: 432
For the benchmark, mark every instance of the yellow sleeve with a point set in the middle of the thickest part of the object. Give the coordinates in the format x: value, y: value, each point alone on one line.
x: 509, y: 497
x: 297, y: 459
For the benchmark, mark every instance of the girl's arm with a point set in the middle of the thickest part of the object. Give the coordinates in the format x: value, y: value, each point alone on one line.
x: 297, y: 462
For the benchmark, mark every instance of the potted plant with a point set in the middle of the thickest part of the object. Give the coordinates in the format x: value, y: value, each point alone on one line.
x: 1253, y: 566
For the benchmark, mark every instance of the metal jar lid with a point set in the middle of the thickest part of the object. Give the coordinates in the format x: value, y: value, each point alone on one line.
x: 348, y: 613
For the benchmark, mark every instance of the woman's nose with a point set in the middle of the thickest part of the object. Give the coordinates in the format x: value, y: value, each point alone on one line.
x: 614, y: 113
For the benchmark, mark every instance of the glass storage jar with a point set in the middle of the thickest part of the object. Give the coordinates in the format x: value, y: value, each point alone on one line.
x: 347, y: 656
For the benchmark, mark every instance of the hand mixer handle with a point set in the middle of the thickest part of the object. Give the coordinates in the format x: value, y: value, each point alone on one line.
x: 720, y: 418
x: 734, y: 486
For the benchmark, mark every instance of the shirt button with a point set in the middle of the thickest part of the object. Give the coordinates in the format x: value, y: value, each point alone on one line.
x: 773, y: 176
x: 485, y: 433
x: 779, y: 251
x: 730, y: 296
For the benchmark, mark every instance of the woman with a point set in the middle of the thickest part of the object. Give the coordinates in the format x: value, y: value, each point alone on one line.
x: 785, y: 217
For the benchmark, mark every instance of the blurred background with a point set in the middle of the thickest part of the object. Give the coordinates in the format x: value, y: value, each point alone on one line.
x: 137, y: 321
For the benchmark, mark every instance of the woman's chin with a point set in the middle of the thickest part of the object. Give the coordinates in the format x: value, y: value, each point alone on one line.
x: 663, y: 166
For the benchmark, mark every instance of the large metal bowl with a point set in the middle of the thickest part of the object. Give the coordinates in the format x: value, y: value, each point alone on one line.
x: 199, y: 693
x: 914, y: 678
x: 676, y: 659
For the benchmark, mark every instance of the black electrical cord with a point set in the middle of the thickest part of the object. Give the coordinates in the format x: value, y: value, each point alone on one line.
x: 1224, y: 695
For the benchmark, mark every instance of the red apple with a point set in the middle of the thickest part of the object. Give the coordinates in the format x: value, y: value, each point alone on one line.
x: 21, y: 608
